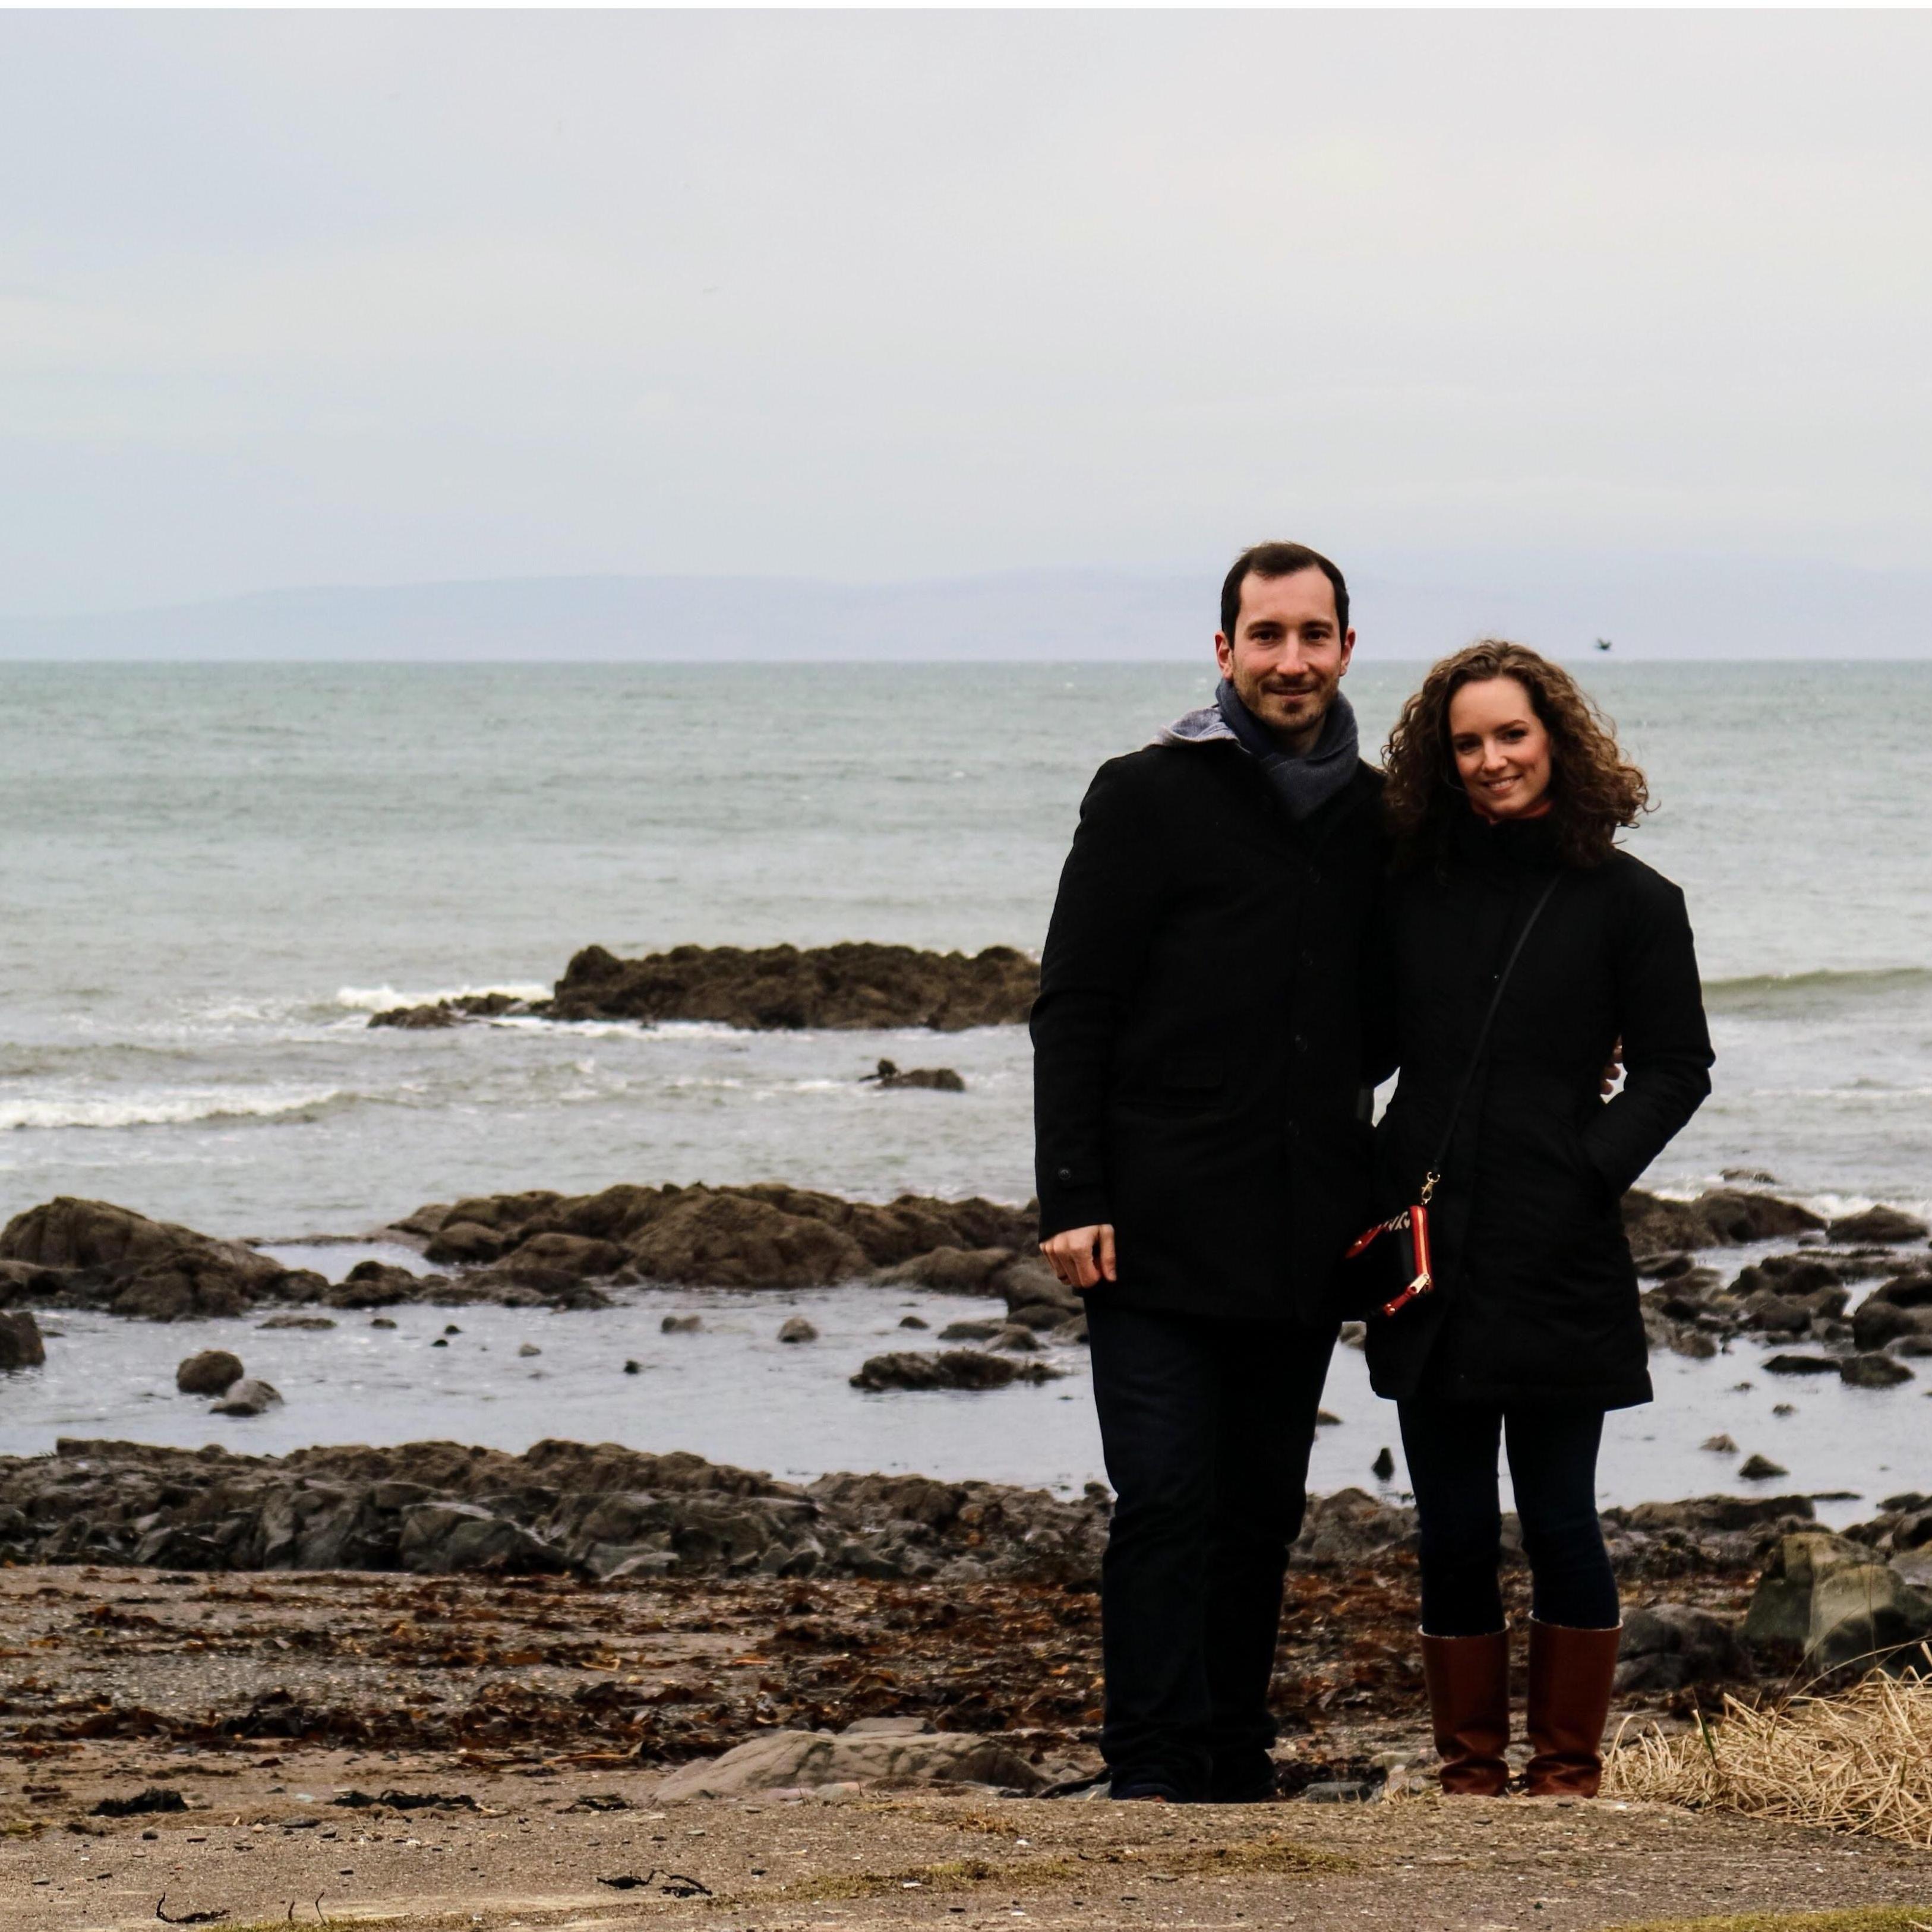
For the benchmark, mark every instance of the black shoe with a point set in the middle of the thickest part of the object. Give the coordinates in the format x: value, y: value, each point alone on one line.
x: 1145, y: 1791
x: 1246, y: 1778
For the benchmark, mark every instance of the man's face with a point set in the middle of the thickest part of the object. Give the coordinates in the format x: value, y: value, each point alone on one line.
x: 1288, y: 653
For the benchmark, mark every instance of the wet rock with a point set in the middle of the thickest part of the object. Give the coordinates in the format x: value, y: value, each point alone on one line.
x: 951, y: 1369
x: 451, y: 1013
x: 313, y: 1322
x: 467, y: 1243
x: 951, y: 1270
x: 1016, y: 1339
x: 915, y: 1322
x: 681, y: 1325
x: 212, y: 1372
x: 1897, y: 1309
x: 21, y: 1346
x: 796, y: 1328
x: 545, y: 1260
x: 1770, y: 1313
x: 525, y: 1350
x: 1669, y: 1646
x: 374, y: 1284
x: 1756, y: 1469
x: 1800, y: 1365
x: 934, y: 1079
x: 1886, y: 1226
x: 1072, y: 1330
x: 249, y: 1396
x: 849, y: 986
x: 1664, y: 1267
x: 1722, y: 1445
x: 1873, y: 1372
x: 783, y: 1760
x: 1723, y: 1217
x: 971, y: 1331
x: 1383, y: 1468
x: 767, y: 1235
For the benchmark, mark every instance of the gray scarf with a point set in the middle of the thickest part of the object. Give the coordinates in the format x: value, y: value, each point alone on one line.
x: 1307, y: 783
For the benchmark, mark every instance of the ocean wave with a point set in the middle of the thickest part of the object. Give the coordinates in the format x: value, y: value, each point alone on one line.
x: 182, y: 1107
x: 380, y: 999
x: 1798, y: 992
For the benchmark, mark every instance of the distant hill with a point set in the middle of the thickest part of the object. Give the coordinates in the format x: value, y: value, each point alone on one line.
x: 1407, y: 606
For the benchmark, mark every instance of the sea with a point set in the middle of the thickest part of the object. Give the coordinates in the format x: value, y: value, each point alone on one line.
x: 213, y: 875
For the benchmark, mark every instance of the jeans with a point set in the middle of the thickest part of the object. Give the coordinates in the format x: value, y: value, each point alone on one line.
x: 1451, y: 1447
x: 1207, y: 1426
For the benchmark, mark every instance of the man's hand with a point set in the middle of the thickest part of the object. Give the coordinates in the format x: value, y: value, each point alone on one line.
x: 1614, y: 1072
x: 1071, y: 1254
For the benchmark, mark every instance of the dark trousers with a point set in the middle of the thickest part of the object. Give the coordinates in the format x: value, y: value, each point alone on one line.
x: 1451, y: 1447
x: 1207, y: 1426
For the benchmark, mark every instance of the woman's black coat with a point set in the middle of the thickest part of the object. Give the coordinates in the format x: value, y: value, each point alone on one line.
x: 1198, y: 1062
x: 1537, y: 1299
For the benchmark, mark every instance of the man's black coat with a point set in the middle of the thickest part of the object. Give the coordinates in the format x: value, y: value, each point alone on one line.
x: 1537, y: 1299
x: 1199, y: 1066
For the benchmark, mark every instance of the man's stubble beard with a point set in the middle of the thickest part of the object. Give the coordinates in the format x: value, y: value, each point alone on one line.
x: 1310, y: 711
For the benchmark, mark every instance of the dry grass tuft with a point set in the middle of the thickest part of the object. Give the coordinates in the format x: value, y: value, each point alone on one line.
x: 1859, y: 1761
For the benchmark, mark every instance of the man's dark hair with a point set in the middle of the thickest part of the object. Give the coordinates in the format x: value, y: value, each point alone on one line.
x: 1278, y: 560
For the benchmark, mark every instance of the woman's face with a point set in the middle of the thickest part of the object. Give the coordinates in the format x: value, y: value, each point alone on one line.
x: 1501, y: 749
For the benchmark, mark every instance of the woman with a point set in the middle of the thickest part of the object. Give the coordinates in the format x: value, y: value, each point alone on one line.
x: 1502, y: 778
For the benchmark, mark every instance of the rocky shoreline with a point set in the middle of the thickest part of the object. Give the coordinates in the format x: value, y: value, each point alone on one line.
x: 543, y: 1249
x: 1722, y: 1589
x: 856, y: 984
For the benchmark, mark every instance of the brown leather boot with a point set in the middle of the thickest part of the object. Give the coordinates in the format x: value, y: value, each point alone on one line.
x: 1469, y: 1709
x: 1570, y: 1674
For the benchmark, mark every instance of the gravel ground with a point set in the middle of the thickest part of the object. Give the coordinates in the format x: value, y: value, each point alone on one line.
x: 549, y: 1714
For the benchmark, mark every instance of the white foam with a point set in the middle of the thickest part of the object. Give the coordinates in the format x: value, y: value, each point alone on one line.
x: 380, y: 999
x: 171, y: 1109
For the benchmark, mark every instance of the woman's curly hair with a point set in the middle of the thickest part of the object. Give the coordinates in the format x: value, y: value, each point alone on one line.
x: 1592, y: 790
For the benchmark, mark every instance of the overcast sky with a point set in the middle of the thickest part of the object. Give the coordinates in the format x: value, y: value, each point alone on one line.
x: 367, y: 298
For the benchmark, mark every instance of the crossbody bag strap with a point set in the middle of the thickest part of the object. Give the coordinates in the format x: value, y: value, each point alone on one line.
x: 1432, y: 1180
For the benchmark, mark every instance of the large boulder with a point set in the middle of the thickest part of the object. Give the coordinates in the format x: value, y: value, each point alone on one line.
x: 1828, y: 1594
x: 21, y: 1346
x: 110, y: 1256
x: 781, y: 1760
x: 211, y: 1372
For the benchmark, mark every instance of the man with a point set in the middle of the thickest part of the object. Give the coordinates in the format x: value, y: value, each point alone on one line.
x: 1202, y: 1143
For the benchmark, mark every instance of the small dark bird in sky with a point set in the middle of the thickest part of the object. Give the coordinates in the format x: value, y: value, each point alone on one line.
x: 1603, y: 643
